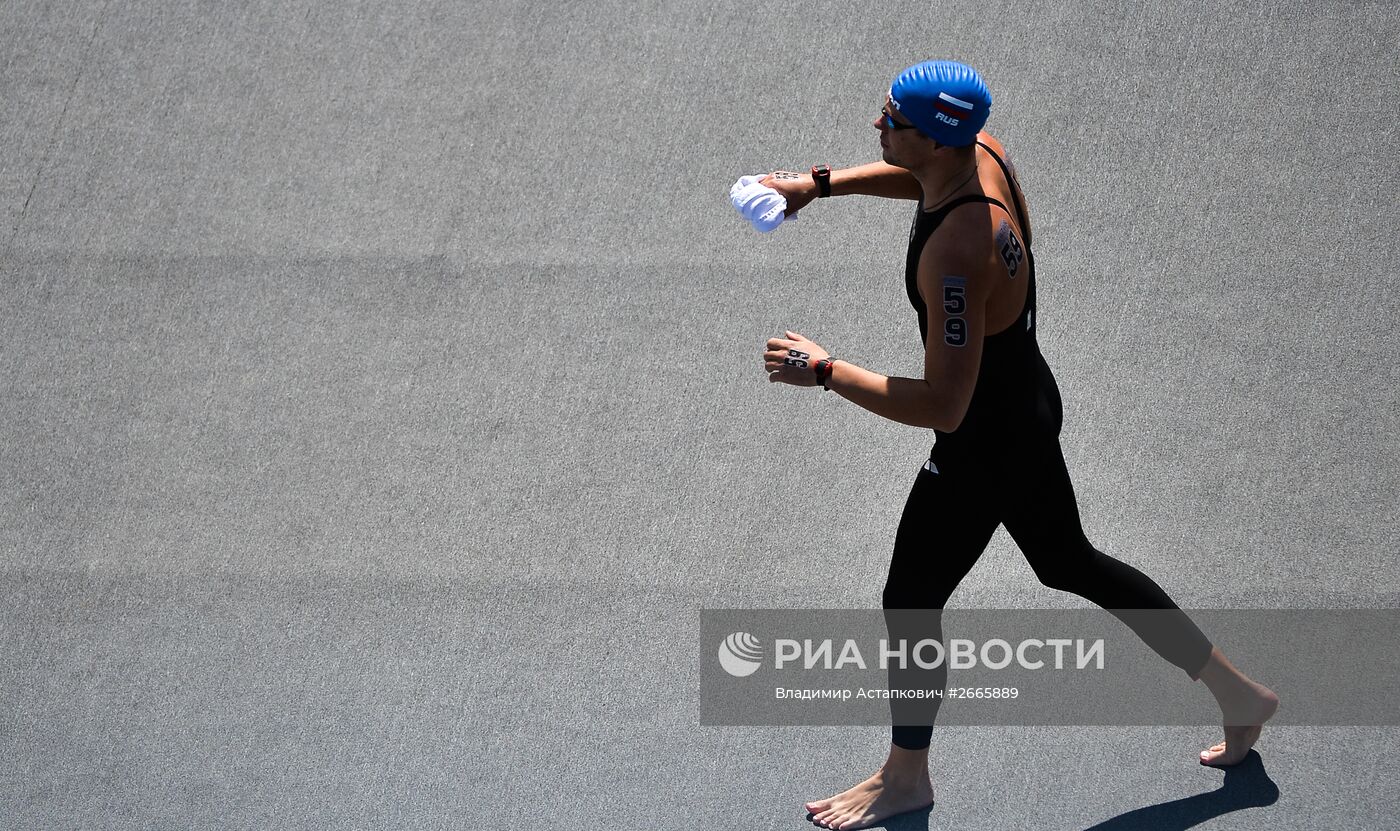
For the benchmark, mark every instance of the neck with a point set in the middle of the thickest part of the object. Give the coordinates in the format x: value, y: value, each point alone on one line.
x: 942, y: 179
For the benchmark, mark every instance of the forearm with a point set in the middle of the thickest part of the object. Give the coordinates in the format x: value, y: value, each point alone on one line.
x: 876, y: 179
x: 909, y: 401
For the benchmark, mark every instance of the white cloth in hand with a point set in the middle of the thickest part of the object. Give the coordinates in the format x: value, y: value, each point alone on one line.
x: 760, y: 205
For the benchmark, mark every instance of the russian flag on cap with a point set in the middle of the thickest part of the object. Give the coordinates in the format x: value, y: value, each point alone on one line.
x: 945, y: 100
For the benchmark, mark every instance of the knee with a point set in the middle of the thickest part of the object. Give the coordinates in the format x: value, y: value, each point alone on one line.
x: 897, y: 595
x: 908, y: 595
x: 922, y: 589
x: 1068, y: 568
x: 1059, y: 579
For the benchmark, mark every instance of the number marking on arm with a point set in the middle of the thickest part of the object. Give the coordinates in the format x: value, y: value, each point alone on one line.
x: 1010, y: 248
x: 955, y: 305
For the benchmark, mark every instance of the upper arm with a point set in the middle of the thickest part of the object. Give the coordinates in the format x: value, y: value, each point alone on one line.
x: 955, y: 281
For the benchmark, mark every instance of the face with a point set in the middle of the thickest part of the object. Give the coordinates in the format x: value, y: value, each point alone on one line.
x: 896, y: 133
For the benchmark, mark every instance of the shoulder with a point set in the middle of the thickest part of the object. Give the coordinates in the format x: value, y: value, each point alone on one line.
x: 966, y: 236
x: 964, y: 246
x: 993, y: 143
x: 998, y: 148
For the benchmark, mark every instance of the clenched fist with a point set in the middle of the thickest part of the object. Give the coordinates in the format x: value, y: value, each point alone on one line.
x: 792, y: 360
x: 799, y: 189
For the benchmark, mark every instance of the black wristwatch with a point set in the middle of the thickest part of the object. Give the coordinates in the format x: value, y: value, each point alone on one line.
x: 821, y: 174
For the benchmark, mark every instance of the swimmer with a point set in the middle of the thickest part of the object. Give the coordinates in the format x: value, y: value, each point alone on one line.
x: 995, y: 409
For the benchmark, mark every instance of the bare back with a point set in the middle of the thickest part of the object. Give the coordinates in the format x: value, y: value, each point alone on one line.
x: 1008, y: 296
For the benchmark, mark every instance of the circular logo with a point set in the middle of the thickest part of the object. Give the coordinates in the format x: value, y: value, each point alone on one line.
x: 740, y: 654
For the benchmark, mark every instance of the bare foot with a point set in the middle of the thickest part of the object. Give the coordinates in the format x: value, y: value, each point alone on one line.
x: 1244, y: 714
x: 878, y: 798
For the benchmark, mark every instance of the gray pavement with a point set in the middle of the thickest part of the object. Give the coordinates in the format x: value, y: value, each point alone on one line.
x: 361, y: 473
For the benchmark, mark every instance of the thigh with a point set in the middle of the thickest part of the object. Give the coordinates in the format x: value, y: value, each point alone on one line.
x: 1040, y: 511
x: 946, y: 524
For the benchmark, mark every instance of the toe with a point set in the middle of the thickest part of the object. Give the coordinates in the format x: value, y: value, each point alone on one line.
x: 1217, y: 756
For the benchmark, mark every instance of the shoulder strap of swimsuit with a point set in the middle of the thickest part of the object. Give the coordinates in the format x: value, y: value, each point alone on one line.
x: 1015, y: 195
x: 948, y: 207
x: 940, y: 214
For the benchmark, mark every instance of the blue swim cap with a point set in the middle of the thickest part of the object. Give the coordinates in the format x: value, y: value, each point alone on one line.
x: 946, y: 100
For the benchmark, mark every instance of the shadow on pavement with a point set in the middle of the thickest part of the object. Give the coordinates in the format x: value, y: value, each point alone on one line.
x: 1247, y: 785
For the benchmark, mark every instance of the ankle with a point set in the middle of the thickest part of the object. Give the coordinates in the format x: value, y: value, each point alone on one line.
x: 904, y: 765
x: 1219, y: 674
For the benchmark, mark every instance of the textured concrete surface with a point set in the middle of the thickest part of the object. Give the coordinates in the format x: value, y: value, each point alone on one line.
x: 383, y: 401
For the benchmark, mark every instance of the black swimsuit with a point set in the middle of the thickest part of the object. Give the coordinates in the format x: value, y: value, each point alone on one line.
x: 1003, y: 466
x: 1016, y: 398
